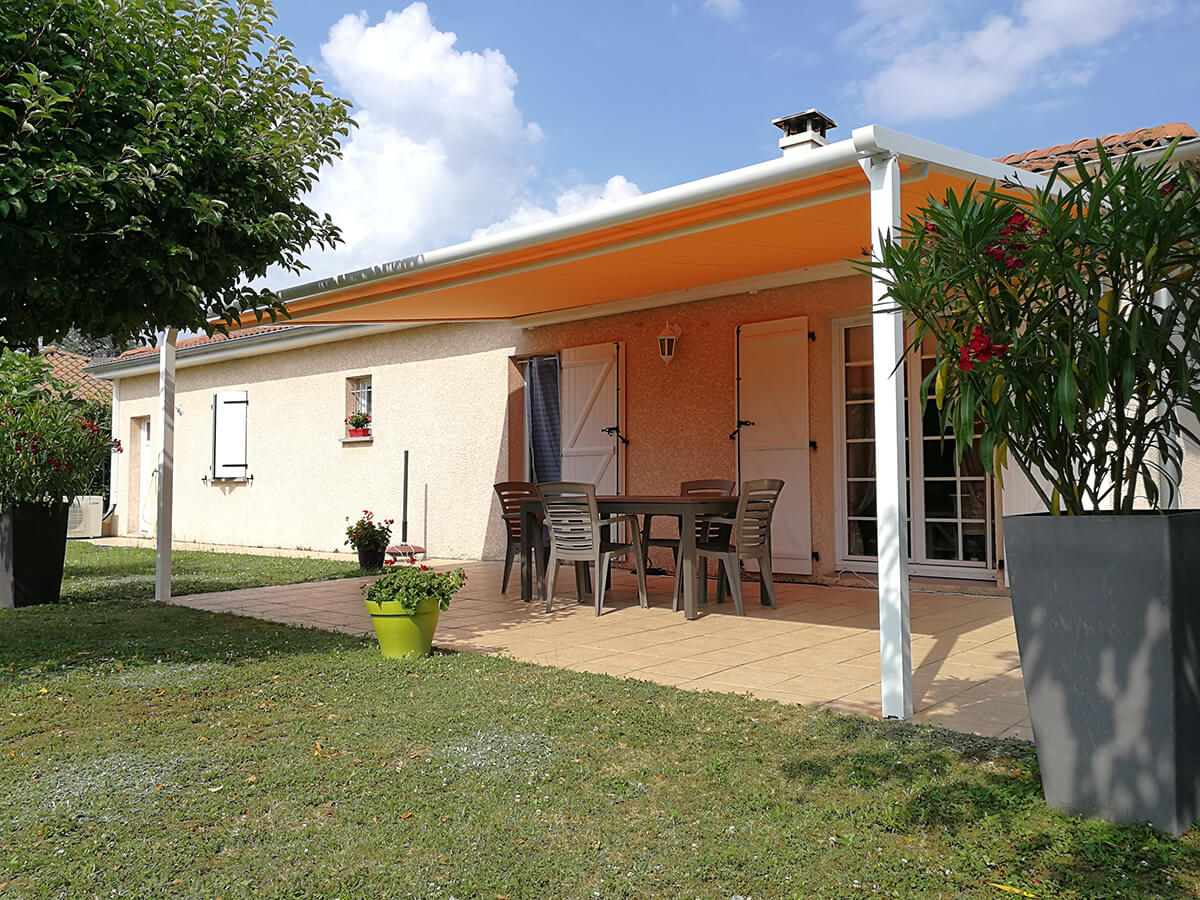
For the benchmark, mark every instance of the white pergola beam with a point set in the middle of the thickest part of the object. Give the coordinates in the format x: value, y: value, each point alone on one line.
x: 166, y: 465
x: 888, y: 344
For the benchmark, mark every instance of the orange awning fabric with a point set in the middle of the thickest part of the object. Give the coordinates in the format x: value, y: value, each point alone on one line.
x: 809, y: 221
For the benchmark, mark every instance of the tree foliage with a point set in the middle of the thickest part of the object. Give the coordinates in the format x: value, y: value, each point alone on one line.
x: 1067, y: 321
x: 153, y: 159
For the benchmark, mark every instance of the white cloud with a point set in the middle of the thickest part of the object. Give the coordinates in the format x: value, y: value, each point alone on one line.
x: 442, y: 147
x: 571, y: 200
x: 725, y: 9
x: 931, y: 69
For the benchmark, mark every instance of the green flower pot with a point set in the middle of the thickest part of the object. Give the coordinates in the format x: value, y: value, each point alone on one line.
x: 401, y: 634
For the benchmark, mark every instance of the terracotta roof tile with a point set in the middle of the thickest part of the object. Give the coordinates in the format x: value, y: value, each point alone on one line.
x: 1045, y: 159
x: 68, y: 367
x: 203, y: 339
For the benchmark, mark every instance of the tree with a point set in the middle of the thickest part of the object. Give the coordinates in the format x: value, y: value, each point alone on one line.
x: 153, y: 159
x: 1067, y: 321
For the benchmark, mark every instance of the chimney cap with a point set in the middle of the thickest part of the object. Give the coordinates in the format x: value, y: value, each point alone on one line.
x: 810, y: 120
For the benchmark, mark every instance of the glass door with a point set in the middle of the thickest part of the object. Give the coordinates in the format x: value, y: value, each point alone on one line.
x: 951, y: 502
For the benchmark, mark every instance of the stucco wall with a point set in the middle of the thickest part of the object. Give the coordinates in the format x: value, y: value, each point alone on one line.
x: 440, y: 392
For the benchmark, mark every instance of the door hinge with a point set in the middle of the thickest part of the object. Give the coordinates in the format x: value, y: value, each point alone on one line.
x: 812, y: 445
x: 812, y: 336
x: 816, y: 556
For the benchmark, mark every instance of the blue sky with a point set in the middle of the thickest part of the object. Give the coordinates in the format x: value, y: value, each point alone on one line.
x: 477, y: 116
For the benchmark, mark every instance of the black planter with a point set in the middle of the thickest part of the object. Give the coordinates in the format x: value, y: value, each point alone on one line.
x: 371, y: 559
x: 1107, y: 612
x: 33, y: 544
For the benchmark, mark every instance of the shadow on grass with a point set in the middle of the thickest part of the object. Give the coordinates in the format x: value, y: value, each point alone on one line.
x: 998, y: 788
x: 58, y: 637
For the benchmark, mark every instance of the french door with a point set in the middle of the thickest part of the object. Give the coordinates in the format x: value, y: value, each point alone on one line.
x: 950, y: 500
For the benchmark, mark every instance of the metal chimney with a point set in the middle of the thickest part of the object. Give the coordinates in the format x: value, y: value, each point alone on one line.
x: 803, y: 130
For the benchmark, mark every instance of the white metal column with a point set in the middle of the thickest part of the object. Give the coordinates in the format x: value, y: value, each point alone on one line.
x: 888, y: 343
x: 166, y: 464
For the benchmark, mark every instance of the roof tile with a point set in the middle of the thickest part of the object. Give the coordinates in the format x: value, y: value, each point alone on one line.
x: 1047, y: 158
x: 203, y: 339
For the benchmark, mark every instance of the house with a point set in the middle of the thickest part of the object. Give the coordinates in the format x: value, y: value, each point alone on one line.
x: 538, y: 351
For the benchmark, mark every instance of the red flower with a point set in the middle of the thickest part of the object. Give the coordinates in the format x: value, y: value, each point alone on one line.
x: 930, y: 228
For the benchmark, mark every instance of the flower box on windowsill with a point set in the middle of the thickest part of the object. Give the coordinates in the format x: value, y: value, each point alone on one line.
x: 366, y: 439
x: 358, y: 432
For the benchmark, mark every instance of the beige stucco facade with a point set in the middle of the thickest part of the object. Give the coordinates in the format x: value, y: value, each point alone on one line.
x: 441, y: 393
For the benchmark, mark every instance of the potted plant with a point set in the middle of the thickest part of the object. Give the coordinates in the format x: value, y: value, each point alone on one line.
x: 50, y: 449
x: 405, y: 604
x: 358, y: 424
x: 370, y: 539
x: 1067, y: 322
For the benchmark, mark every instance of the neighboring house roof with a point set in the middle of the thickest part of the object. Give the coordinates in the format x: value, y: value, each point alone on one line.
x: 69, y: 367
x: 203, y: 339
x: 1046, y: 158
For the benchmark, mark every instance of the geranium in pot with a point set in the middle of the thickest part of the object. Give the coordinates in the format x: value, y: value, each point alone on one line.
x: 405, y: 604
x: 1067, y: 322
x: 50, y: 450
x: 370, y: 538
x: 358, y: 424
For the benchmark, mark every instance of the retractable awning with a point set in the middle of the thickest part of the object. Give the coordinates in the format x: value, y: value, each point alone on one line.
x: 804, y: 209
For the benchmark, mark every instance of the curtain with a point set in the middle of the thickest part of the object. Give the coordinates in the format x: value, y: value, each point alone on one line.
x: 545, y: 419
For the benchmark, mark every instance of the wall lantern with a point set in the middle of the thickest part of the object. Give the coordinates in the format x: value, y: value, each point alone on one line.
x: 668, y: 342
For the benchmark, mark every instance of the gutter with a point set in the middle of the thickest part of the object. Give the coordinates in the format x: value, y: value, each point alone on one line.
x: 241, y: 347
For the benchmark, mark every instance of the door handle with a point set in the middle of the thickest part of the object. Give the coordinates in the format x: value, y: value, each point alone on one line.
x: 612, y: 430
x: 742, y: 423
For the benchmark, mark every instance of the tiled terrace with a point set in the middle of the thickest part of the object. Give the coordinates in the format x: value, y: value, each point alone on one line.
x: 820, y: 648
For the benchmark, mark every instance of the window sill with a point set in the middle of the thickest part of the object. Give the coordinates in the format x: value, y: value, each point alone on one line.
x: 357, y: 440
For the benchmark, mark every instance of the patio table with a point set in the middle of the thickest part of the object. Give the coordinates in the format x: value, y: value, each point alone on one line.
x: 685, y: 508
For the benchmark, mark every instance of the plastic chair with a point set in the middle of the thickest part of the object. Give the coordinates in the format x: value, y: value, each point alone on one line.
x: 577, y: 535
x: 705, y: 487
x: 751, y: 539
x: 511, y: 493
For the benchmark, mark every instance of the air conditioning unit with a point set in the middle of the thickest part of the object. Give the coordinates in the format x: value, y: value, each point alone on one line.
x: 84, y: 517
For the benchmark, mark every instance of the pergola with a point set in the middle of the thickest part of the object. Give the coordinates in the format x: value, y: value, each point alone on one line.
x: 806, y: 209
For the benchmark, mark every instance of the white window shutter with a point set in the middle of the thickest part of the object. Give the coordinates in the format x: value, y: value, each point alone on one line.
x: 229, y: 435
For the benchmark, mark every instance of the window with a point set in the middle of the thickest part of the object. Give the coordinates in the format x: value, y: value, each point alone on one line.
x: 229, y: 443
x: 358, y: 401
x: 950, y: 501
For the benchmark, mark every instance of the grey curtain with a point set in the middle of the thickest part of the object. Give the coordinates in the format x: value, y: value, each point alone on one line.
x: 545, y: 418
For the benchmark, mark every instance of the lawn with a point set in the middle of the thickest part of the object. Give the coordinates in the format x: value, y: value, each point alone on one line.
x: 127, y: 573
x: 167, y: 752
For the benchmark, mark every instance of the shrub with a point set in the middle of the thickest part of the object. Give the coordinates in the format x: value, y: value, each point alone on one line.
x: 409, y: 585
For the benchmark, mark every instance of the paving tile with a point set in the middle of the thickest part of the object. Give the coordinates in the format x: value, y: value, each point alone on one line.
x: 820, y: 647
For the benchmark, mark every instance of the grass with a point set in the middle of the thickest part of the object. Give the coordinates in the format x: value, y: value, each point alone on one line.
x: 127, y: 573
x: 167, y: 752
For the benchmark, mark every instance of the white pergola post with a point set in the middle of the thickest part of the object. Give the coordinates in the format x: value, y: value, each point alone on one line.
x: 888, y: 341
x: 166, y: 464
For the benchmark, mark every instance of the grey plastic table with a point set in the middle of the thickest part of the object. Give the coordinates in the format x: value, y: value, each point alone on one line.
x: 685, y: 508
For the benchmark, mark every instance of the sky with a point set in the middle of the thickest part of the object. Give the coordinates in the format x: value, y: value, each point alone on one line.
x: 480, y: 115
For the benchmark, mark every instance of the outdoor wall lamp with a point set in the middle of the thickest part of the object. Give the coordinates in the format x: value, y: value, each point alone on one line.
x: 668, y: 342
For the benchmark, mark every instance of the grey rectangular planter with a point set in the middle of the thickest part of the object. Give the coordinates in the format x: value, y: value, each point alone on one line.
x: 1107, y: 612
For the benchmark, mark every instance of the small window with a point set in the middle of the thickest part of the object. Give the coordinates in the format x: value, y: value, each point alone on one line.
x: 358, y: 406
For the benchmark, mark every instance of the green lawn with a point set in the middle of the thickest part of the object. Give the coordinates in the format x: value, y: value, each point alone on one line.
x: 127, y: 573
x: 166, y: 752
